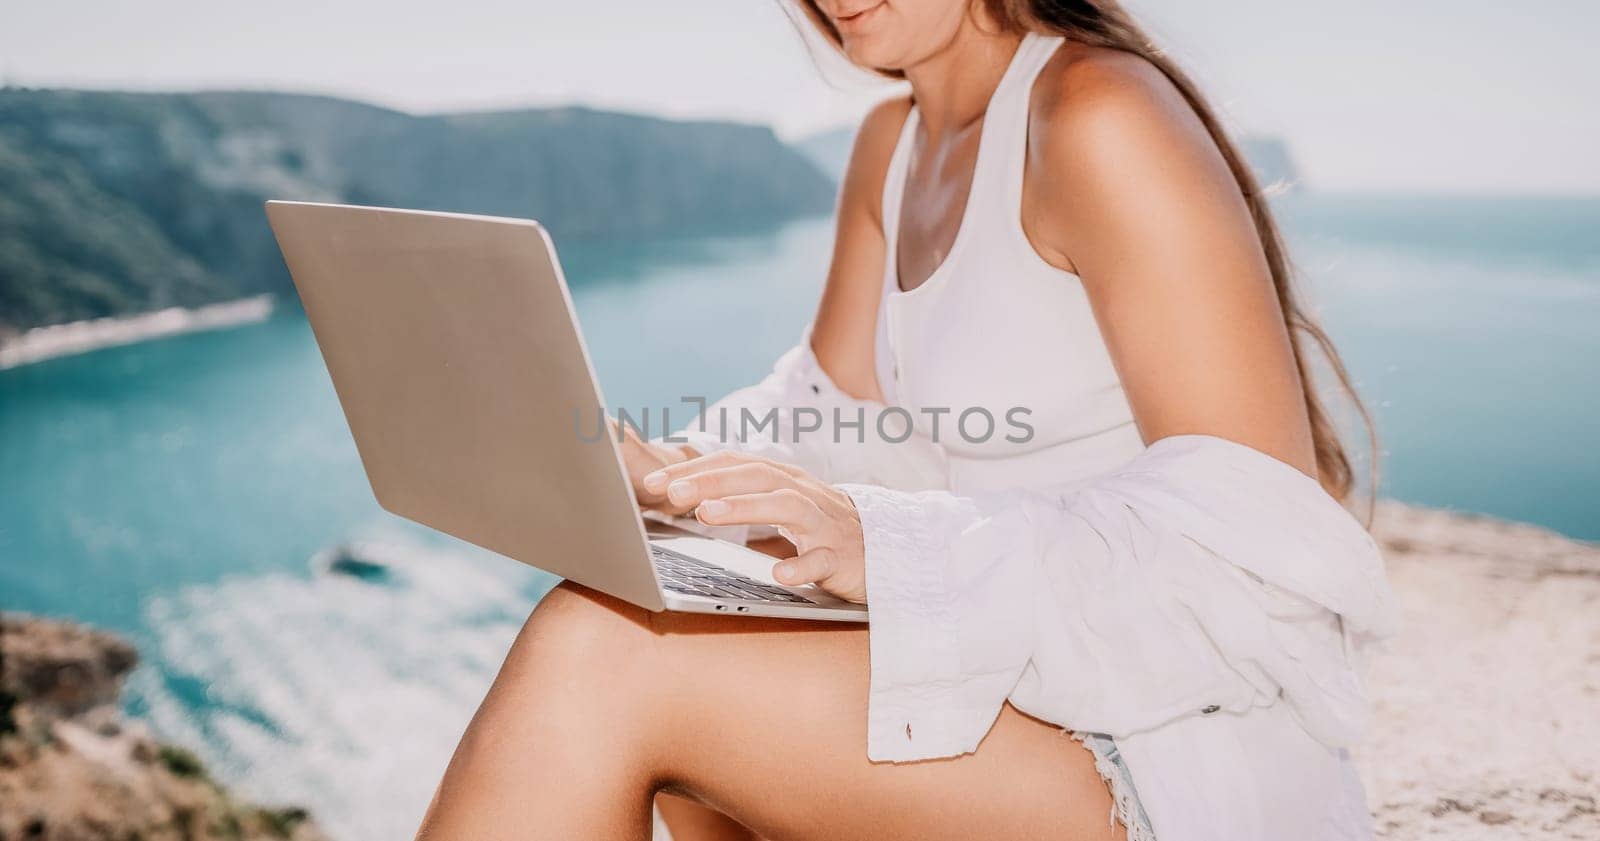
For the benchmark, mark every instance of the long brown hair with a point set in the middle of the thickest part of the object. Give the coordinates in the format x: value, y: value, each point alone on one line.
x: 1104, y: 23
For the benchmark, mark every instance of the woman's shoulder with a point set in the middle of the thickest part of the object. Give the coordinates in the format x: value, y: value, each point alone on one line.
x: 1110, y: 135
x: 872, y: 150
x: 1088, y: 90
x: 881, y: 127
x: 1091, y: 99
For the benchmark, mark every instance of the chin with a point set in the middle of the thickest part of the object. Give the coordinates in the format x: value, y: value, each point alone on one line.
x: 874, y: 52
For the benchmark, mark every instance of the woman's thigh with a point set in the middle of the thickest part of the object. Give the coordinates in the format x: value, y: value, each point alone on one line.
x: 765, y: 721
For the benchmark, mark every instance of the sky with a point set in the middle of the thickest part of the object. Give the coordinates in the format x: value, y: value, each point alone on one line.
x: 1447, y: 96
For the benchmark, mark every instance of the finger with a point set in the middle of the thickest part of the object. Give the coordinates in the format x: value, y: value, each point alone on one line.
x: 791, y: 469
x: 722, y: 460
x: 659, y: 479
x: 713, y: 461
x: 785, y: 507
x: 808, y: 568
x: 748, y: 478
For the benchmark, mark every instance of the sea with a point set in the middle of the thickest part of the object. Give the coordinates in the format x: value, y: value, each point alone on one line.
x: 178, y: 491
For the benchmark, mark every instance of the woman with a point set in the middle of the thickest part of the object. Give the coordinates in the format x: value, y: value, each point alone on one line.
x: 1051, y: 229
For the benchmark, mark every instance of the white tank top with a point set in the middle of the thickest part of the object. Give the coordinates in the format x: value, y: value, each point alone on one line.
x: 997, y: 330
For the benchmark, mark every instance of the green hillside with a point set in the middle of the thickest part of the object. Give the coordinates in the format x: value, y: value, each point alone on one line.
x: 117, y: 202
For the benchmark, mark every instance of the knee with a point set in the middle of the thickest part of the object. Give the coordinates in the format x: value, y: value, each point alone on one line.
x: 563, y: 703
x: 581, y: 639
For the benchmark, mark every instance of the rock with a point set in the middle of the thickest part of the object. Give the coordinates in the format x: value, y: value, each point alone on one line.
x: 367, y: 562
x: 1485, y: 705
x: 71, y: 769
x: 62, y: 670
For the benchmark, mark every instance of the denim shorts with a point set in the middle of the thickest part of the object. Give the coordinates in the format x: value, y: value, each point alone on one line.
x: 1125, y: 806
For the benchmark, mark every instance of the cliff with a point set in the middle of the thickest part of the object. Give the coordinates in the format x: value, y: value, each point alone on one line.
x: 1485, y: 705
x: 72, y: 769
x: 113, y: 203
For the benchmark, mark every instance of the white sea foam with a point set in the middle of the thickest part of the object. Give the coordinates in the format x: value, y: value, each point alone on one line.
x: 337, y: 694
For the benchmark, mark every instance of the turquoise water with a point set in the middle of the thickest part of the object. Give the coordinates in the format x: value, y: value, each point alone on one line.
x: 176, y: 490
x: 1471, y: 329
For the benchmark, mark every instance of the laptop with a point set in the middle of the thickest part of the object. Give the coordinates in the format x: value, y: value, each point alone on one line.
x: 455, y: 351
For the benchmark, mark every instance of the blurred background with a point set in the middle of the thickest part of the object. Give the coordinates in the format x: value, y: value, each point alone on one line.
x: 194, y: 491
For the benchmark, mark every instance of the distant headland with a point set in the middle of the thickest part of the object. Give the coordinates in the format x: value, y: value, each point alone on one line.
x: 120, y: 203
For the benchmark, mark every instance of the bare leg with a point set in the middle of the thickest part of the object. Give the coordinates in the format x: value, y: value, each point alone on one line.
x: 601, y: 705
x: 691, y: 821
x: 688, y: 820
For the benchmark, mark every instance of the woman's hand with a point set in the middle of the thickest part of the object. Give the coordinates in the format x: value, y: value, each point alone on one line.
x: 728, y: 489
x: 641, y: 458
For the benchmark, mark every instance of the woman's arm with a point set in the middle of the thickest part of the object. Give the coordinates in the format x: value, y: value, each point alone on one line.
x: 1126, y: 188
x: 837, y: 369
x: 844, y: 334
x: 819, y: 408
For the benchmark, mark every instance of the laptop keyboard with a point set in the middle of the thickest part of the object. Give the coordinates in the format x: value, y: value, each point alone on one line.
x: 683, y: 574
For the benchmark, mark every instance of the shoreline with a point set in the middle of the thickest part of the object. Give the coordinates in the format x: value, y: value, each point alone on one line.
x: 74, y: 337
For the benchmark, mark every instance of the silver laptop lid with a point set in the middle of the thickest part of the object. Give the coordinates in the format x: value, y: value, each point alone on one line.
x: 455, y: 351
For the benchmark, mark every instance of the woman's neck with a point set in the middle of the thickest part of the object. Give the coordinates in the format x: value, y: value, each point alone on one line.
x: 952, y: 87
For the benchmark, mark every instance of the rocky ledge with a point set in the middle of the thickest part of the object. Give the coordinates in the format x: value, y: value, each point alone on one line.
x: 1487, y: 704
x: 72, y: 769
